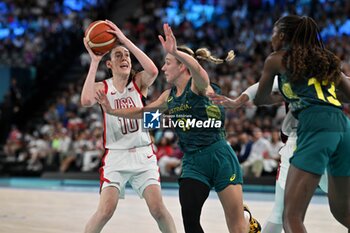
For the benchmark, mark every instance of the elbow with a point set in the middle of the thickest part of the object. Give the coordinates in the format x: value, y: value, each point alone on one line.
x: 207, y: 83
x: 203, y: 88
x: 85, y: 102
x: 154, y: 72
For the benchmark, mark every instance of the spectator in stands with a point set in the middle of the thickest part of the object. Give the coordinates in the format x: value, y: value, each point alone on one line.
x: 276, y: 145
x: 13, y: 144
x: 167, y: 161
x: 51, y: 115
x: 246, y: 147
x: 39, y: 151
x: 232, y: 139
x: 92, y: 158
x: 15, y: 95
x: 261, y: 149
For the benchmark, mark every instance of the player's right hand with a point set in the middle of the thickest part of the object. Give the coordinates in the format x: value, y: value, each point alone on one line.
x: 94, y: 57
x: 116, y: 31
x: 101, y: 98
x: 169, y: 43
x: 223, y: 100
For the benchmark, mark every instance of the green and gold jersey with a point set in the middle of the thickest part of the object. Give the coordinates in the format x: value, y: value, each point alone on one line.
x: 306, y: 93
x: 197, y: 122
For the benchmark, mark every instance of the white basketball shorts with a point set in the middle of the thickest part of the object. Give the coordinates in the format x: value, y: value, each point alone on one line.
x: 138, y: 166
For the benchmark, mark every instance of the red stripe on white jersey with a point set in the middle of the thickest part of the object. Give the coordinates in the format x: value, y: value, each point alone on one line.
x: 101, y: 170
x: 106, y: 86
x: 138, y: 90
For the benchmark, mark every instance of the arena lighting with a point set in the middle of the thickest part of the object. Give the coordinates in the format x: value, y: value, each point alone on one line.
x: 4, y: 33
x: 18, y: 27
x: 78, y: 5
x: 195, y: 12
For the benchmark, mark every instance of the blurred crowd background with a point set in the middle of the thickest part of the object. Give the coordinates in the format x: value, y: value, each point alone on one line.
x: 43, y: 65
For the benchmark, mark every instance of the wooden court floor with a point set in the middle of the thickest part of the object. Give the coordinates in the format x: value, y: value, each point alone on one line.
x: 47, y: 211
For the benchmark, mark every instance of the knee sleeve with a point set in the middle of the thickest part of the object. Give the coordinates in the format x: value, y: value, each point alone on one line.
x: 192, y: 195
x: 277, y: 211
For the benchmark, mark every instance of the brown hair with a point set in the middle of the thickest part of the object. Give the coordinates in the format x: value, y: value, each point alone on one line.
x: 109, y: 57
x: 306, y: 56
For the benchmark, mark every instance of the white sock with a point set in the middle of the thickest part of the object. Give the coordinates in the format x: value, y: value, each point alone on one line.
x: 247, y: 215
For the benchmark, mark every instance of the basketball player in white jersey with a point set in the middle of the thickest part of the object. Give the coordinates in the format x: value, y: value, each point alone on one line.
x: 128, y: 153
x: 289, y: 129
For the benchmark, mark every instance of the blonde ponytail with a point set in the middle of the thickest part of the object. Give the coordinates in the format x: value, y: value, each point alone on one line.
x: 205, y: 54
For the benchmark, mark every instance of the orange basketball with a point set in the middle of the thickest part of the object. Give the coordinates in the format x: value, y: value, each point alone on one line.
x: 99, y: 40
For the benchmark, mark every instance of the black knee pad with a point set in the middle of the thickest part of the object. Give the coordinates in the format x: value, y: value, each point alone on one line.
x: 192, y: 195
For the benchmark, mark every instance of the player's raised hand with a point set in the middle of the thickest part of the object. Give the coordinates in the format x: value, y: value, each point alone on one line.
x: 94, y: 57
x: 169, y: 44
x: 224, y: 101
x: 116, y: 31
x: 101, y: 98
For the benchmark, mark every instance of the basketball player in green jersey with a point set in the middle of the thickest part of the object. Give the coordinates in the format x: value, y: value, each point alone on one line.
x: 308, y: 77
x: 209, y: 162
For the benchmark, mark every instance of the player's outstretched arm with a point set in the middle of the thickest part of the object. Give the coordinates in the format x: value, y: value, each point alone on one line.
x: 271, y: 68
x: 246, y: 96
x: 227, y: 102
x: 199, y: 75
x: 135, y: 112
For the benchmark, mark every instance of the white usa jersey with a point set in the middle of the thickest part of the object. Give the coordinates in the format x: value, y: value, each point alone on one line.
x: 123, y: 133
